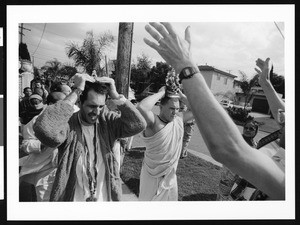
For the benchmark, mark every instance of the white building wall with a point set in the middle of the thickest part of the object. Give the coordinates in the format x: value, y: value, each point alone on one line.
x: 218, y: 86
x: 24, y: 81
x: 207, y: 77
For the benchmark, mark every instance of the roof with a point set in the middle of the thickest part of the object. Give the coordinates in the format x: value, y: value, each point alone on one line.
x: 210, y: 68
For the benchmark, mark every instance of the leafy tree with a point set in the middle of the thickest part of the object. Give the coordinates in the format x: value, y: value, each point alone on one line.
x: 90, y: 53
x: 278, y: 83
x: 52, y: 69
x: 139, y: 73
x: 158, y: 75
x: 36, y: 72
x: 246, y: 86
x: 67, y: 70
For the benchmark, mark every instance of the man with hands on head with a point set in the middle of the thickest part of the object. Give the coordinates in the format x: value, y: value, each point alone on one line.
x: 163, y: 138
x: 220, y: 134
x: 87, y: 167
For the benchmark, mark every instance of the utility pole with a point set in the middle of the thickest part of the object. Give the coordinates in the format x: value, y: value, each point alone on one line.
x: 21, y: 32
x: 106, y: 67
x: 124, y: 58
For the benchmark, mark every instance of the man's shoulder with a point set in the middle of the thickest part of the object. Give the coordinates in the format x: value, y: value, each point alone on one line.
x: 178, y: 119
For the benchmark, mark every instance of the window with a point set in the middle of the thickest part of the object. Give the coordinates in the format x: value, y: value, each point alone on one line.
x: 225, y: 80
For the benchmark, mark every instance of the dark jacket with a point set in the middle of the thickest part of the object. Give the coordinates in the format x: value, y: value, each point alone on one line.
x: 58, y: 127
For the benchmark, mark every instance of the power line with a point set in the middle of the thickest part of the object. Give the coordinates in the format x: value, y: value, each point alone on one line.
x: 21, y: 32
x: 50, y: 32
x: 279, y: 29
x: 41, y: 47
x: 40, y: 39
x: 50, y: 56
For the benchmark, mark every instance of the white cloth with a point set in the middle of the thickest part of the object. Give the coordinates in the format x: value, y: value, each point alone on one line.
x: 82, y: 190
x: 39, y: 167
x: 158, y: 181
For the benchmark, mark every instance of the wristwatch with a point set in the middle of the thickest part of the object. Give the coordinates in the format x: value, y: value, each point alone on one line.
x: 187, y: 73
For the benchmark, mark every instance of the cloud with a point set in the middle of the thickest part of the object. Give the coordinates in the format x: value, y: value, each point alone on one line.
x: 229, y: 46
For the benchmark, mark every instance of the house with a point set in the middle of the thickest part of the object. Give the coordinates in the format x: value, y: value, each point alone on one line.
x: 218, y: 81
x: 25, y: 75
x: 258, y: 101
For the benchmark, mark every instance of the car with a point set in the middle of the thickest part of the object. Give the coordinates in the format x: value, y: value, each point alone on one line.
x: 248, y: 107
x: 226, y: 103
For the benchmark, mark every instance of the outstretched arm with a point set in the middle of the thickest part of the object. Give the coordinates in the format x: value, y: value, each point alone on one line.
x: 263, y: 70
x: 220, y: 134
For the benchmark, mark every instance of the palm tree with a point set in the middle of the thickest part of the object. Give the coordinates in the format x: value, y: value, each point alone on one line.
x: 90, y: 54
x: 246, y: 86
x: 52, y: 69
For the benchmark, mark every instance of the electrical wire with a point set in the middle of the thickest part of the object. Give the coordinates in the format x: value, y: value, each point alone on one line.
x: 40, y: 39
x: 279, y: 29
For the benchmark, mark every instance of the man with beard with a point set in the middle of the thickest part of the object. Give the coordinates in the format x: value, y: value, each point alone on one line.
x: 88, y: 169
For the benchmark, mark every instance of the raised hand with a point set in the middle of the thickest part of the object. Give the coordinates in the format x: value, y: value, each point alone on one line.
x: 79, y: 80
x: 183, y: 98
x: 112, y: 87
x: 175, y: 50
x: 264, y: 70
x: 162, y: 89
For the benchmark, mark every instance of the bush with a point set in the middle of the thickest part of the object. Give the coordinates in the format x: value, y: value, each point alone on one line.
x: 239, y: 114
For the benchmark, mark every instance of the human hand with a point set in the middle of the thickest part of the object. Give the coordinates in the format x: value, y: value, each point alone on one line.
x: 163, y: 90
x: 183, y: 98
x: 112, y: 87
x: 175, y: 50
x: 79, y: 80
x: 264, y: 70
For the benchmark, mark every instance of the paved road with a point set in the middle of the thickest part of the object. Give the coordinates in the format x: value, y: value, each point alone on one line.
x: 197, y: 143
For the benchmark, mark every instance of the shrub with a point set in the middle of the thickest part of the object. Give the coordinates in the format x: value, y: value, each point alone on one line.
x: 239, y: 114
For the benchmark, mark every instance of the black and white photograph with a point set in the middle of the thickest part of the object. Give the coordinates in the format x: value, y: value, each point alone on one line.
x: 150, y: 113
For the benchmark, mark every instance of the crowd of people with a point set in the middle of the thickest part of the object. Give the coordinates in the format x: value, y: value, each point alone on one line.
x: 72, y: 137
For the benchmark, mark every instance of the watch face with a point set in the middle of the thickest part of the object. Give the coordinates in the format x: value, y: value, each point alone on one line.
x: 188, y: 71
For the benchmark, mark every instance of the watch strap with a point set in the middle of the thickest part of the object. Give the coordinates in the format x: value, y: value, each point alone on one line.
x: 187, y: 73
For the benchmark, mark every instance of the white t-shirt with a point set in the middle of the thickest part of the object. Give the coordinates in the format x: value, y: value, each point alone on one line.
x: 82, y: 190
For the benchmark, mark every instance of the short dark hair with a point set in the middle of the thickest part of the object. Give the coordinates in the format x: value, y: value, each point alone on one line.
x: 100, y: 88
x: 54, y: 97
x: 253, y: 123
x: 26, y: 89
x: 38, y: 81
x: 165, y: 100
x: 38, y: 91
x: 55, y: 86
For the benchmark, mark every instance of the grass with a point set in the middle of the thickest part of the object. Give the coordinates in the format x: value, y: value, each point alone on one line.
x: 198, y: 180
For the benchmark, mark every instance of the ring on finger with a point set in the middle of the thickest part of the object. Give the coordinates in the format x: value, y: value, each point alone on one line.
x: 159, y: 40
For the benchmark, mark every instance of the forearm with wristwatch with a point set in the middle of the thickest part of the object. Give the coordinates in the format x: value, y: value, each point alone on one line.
x: 188, y: 72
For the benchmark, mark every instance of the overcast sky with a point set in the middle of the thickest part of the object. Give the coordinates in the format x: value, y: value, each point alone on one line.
x: 228, y: 46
